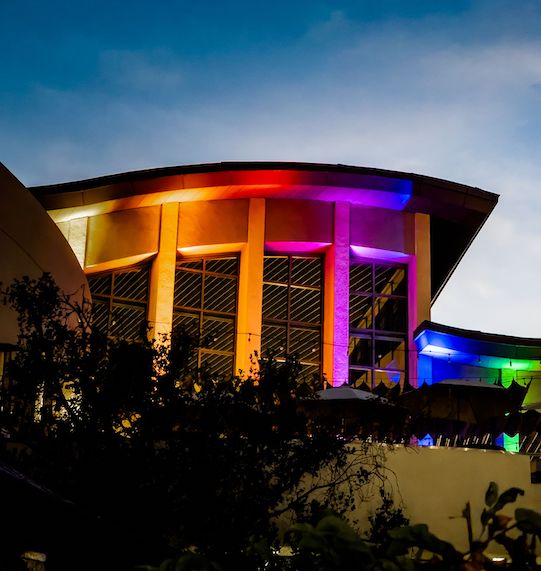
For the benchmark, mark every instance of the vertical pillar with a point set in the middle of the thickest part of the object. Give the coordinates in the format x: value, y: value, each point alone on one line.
x: 249, y: 319
x: 162, y: 273
x: 75, y: 233
x: 336, y: 302
x: 420, y: 294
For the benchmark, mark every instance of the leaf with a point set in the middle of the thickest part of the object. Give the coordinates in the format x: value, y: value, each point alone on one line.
x: 507, y: 497
x: 419, y: 536
x: 528, y: 521
x: 485, y: 516
x: 166, y: 565
x: 491, y: 494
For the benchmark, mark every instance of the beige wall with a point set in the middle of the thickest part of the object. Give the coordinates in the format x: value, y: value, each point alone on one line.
x: 434, y: 485
x: 212, y: 222
x: 382, y: 229
x: 298, y: 221
x: 122, y: 235
x: 30, y: 244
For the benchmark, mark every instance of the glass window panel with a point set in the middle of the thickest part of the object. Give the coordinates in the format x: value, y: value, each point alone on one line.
x: 100, y: 285
x: 390, y: 280
x: 189, y: 321
x: 276, y: 269
x: 188, y: 287
x: 226, y: 266
x: 100, y: 315
x: 360, y: 351
x: 217, y: 364
x: 131, y: 285
x: 360, y: 278
x: 220, y: 333
x: 360, y: 377
x: 220, y: 294
x: 360, y: 311
x: 273, y: 340
x: 378, y: 319
x: 390, y: 354
x: 306, y: 271
x: 305, y: 344
x: 194, y: 264
x: 127, y: 321
x: 391, y: 314
x: 305, y: 305
x: 274, y: 301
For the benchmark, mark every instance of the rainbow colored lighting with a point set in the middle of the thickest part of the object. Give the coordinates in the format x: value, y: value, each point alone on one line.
x: 297, y: 247
x: 509, y: 443
x: 474, y: 352
x: 378, y: 254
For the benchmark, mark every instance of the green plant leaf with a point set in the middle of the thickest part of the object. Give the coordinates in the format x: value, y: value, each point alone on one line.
x: 491, y: 494
x: 419, y: 536
x: 528, y: 521
x: 166, y: 565
x: 507, y: 497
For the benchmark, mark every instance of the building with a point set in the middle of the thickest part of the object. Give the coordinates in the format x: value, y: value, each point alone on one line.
x: 337, y: 264
x: 30, y: 243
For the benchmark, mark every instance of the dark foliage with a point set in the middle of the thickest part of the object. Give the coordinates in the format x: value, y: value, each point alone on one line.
x: 154, y: 457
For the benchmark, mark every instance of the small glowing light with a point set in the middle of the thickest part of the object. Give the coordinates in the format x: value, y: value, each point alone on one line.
x: 498, y: 559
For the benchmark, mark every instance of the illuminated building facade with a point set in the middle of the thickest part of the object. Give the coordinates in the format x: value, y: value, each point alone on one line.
x: 339, y: 265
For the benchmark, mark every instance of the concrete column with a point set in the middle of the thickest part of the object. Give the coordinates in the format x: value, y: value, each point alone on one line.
x: 336, y: 302
x: 162, y: 274
x: 248, y: 341
x: 420, y: 294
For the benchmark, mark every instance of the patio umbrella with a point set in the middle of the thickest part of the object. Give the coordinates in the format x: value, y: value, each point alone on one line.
x: 349, y: 394
x: 470, y: 402
x: 357, y: 411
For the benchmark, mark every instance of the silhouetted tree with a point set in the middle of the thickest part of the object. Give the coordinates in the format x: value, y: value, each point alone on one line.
x: 156, y: 456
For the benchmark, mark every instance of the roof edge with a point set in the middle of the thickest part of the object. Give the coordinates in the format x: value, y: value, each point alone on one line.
x: 146, y: 174
x: 477, y: 335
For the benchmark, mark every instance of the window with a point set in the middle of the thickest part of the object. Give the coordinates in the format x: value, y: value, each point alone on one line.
x: 120, y: 301
x: 292, y: 309
x: 205, y: 304
x: 378, y: 322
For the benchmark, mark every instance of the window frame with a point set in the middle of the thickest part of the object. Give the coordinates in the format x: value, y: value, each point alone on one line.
x: 201, y: 312
x: 112, y: 300
x: 291, y: 324
x: 372, y: 333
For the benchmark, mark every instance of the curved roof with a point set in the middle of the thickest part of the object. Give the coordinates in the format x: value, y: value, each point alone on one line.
x: 30, y: 244
x: 477, y: 347
x: 457, y: 211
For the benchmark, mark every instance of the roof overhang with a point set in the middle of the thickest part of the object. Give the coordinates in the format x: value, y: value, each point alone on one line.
x: 477, y: 348
x: 457, y: 212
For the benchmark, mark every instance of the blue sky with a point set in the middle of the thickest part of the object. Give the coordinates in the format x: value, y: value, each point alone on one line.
x: 446, y: 88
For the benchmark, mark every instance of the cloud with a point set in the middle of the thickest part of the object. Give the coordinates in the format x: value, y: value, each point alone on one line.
x: 452, y: 96
x: 154, y: 70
